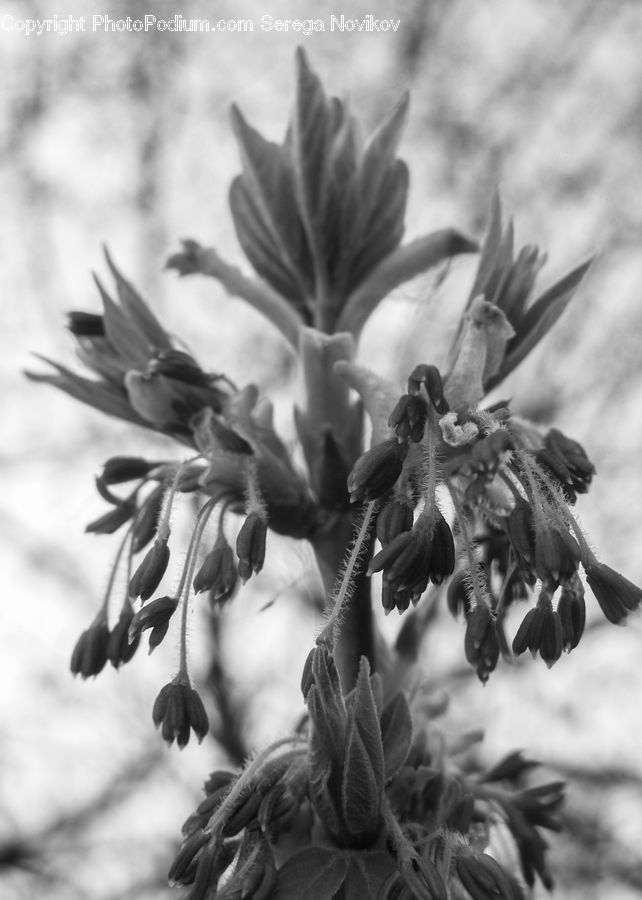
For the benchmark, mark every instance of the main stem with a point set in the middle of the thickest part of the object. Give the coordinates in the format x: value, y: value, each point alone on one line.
x: 356, y: 634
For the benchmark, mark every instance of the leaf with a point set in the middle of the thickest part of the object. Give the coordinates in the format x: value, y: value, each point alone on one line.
x: 130, y: 346
x: 268, y: 179
x: 368, y: 870
x: 259, y: 245
x: 315, y: 873
x: 107, y: 399
x: 343, y: 213
x: 539, y: 319
x: 362, y: 785
x: 489, y: 250
x: 378, y: 394
x: 311, y: 129
x: 138, y: 311
x: 380, y: 152
x: 385, y: 227
x: 396, y: 733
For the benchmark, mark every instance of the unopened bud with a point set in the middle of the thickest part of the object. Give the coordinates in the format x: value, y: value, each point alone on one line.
x: 149, y: 573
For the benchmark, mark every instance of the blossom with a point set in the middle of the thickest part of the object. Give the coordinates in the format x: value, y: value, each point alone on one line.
x: 155, y: 615
x: 250, y: 545
x: 376, y: 470
x: 218, y: 573
x: 481, y: 643
x: 89, y: 655
x: 120, y: 649
x: 177, y: 710
x: 616, y: 595
x: 149, y: 573
x: 413, y: 558
x: 485, y: 879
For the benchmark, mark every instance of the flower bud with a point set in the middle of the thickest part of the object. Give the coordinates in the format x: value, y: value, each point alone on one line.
x: 422, y: 878
x: 146, y: 521
x: 616, y: 595
x: 218, y: 573
x: 84, y: 324
x: 111, y: 521
x: 179, y: 709
x: 89, y: 656
x: 120, y: 469
x: 509, y: 768
x: 376, y: 471
x: 408, y: 418
x: 250, y: 545
x: 153, y: 615
x: 481, y: 643
x: 529, y: 633
x: 393, y: 519
x: 571, y: 609
x: 557, y: 555
x: 568, y: 462
x: 189, y: 851
x: 149, y: 573
x: 119, y: 649
x: 431, y: 378
x: 484, y: 878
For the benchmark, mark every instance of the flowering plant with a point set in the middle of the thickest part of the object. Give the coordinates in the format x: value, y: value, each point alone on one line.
x: 455, y: 498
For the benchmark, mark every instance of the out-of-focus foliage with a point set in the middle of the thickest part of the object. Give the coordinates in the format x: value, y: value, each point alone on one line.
x: 124, y: 138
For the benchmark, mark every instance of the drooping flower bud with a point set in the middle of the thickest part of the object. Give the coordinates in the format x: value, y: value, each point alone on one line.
x: 120, y: 469
x: 408, y: 418
x: 114, y: 519
x: 616, y: 595
x: 146, y: 522
x: 84, y: 324
x: 557, y: 555
x: 250, y: 545
x: 429, y: 376
x: 481, y: 643
x: 217, y: 573
x: 376, y: 470
x: 571, y: 609
x: 484, y: 878
x: 393, y: 519
x: 120, y: 649
x: 568, y: 462
x: 149, y: 573
x: 152, y: 615
x: 177, y: 710
x: 89, y: 656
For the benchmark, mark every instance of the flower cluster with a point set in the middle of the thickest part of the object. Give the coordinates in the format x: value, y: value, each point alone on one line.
x: 468, y: 502
x: 510, y: 488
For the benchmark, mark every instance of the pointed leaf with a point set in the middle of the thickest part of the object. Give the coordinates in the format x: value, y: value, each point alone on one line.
x: 385, y: 228
x: 105, y: 398
x: 343, y: 214
x: 138, y: 311
x: 362, y: 786
x: 360, y: 793
x: 489, y: 250
x: 378, y: 394
x: 132, y: 347
x: 259, y: 245
x: 315, y: 873
x: 539, y: 319
x: 268, y: 179
x: 312, y: 126
x: 396, y: 733
x: 380, y: 152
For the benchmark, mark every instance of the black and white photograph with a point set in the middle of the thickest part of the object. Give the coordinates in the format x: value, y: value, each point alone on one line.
x: 321, y: 471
